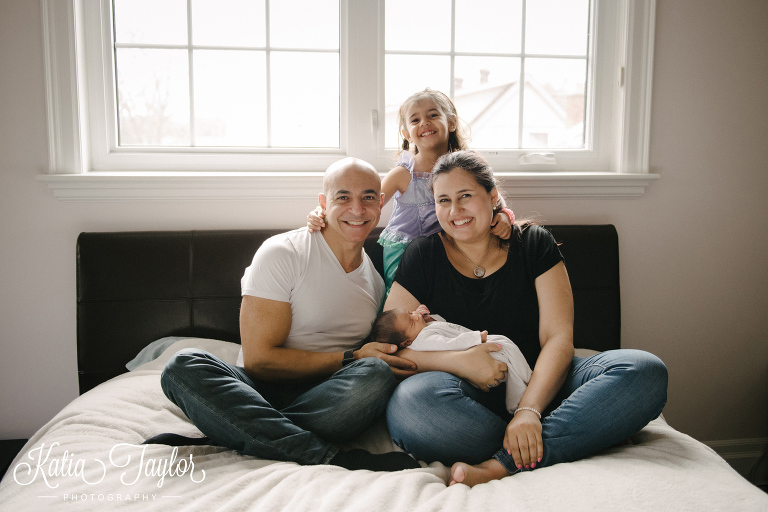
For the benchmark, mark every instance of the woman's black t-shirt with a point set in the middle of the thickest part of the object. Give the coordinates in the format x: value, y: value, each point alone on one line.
x: 504, y: 303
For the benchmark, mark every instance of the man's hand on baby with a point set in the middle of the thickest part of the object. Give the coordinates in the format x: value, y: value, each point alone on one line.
x: 316, y: 220
x: 385, y: 351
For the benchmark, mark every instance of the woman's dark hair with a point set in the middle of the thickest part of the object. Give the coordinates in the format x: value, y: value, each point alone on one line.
x: 384, y: 330
x: 471, y: 162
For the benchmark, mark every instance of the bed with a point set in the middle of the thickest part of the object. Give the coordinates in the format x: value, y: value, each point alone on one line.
x: 142, y: 296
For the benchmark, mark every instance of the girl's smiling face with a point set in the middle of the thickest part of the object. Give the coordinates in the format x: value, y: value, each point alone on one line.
x: 426, y: 126
x: 464, y: 208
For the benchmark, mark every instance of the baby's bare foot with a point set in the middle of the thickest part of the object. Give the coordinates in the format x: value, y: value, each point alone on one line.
x: 462, y: 473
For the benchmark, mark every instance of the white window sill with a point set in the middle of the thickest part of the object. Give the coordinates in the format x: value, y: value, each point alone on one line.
x: 167, y: 186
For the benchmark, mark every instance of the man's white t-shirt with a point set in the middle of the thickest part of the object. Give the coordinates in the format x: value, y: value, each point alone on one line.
x: 332, y: 310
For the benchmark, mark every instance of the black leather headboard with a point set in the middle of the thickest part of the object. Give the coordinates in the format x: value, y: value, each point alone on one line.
x: 136, y: 287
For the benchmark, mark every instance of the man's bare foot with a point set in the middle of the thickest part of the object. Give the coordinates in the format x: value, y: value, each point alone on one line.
x: 491, y: 469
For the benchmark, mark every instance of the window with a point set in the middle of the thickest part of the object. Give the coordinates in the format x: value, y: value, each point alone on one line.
x: 163, y: 99
x: 518, y: 71
x: 234, y: 73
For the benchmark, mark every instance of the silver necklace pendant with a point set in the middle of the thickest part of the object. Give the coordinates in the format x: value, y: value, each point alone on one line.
x: 479, y: 272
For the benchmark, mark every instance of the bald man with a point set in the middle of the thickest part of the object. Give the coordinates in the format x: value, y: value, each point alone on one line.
x: 303, y: 382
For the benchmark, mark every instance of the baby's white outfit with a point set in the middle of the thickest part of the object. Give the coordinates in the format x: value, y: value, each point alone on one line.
x: 442, y: 335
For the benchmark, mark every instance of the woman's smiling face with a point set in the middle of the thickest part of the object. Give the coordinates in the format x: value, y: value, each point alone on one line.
x: 464, y: 208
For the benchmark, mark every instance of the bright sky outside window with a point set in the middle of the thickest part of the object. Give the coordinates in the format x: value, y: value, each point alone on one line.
x: 516, y: 70
x: 242, y: 73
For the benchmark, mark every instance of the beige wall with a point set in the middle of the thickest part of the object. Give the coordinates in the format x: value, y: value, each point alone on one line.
x: 693, y: 249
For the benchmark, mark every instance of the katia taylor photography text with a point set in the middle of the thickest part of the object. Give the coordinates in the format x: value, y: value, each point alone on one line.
x: 42, y: 463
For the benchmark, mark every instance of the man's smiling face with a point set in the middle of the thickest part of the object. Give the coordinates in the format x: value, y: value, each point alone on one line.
x: 352, y: 201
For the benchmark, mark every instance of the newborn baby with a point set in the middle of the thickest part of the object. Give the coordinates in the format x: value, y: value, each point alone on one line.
x: 418, y: 330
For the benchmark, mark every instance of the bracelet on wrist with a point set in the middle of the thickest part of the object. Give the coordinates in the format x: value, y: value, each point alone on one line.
x: 527, y: 409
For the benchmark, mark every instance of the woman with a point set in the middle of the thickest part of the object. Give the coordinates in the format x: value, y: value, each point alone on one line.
x: 573, y: 406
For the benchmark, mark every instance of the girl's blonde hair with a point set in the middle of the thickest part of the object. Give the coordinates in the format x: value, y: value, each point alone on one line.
x: 457, y: 139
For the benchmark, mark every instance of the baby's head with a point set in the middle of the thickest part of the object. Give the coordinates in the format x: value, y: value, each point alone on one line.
x: 397, y: 327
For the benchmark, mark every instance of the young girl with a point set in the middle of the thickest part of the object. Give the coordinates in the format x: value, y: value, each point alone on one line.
x: 429, y: 124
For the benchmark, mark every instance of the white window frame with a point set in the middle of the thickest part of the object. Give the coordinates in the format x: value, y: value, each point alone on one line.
x: 85, y: 167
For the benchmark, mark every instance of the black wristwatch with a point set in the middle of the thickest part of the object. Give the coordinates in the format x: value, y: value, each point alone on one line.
x: 349, y: 356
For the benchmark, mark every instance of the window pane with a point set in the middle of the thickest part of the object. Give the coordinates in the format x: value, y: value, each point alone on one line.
x: 304, y: 24
x: 153, y: 97
x: 554, y: 103
x: 489, y: 26
x: 305, y: 99
x: 418, y: 25
x: 151, y: 21
x: 557, y: 27
x: 406, y: 75
x: 487, y: 98
x: 229, y: 23
x: 486, y: 89
x: 230, y: 98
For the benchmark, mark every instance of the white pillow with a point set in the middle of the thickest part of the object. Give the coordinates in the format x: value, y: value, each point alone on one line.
x: 224, y: 350
x: 152, y: 351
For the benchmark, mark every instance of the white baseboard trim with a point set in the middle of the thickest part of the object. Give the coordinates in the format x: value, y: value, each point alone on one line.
x: 743, y: 454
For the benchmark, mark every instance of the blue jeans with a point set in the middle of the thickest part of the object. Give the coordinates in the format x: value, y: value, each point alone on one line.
x: 278, y: 421
x: 605, y: 399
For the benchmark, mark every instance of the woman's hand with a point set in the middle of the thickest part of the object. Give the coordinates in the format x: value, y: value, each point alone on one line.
x: 522, y: 439
x: 501, y: 226
x: 316, y: 220
x: 478, y: 367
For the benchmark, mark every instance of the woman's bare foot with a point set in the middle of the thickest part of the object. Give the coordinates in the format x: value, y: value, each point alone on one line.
x: 491, y: 469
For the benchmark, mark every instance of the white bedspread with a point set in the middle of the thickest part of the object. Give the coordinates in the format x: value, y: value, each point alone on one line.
x: 79, y: 461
